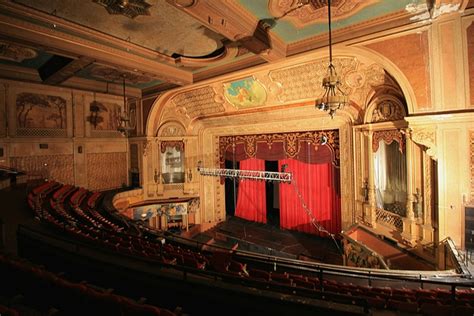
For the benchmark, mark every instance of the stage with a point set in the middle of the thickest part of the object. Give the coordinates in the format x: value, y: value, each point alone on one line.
x: 236, y: 233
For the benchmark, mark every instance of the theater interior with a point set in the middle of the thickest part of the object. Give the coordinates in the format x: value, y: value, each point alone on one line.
x: 237, y: 157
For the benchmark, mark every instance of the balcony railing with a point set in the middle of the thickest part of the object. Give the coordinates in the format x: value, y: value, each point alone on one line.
x: 389, y: 219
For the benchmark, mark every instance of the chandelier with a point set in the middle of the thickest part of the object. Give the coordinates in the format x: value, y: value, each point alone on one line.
x: 126, y: 120
x: 333, y: 98
x: 129, y: 8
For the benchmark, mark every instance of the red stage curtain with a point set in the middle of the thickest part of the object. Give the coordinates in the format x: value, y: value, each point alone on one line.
x: 251, y: 198
x: 317, y: 184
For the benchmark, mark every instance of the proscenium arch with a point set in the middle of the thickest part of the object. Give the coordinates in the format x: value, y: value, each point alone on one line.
x: 362, y: 54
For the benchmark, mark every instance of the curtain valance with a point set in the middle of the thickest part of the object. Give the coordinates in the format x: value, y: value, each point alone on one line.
x: 388, y: 137
x: 303, y: 146
x: 178, y: 144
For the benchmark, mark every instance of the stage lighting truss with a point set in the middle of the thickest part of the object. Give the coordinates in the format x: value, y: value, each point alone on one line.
x: 247, y: 174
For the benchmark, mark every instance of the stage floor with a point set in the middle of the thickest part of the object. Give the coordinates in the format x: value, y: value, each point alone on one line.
x: 268, y: 239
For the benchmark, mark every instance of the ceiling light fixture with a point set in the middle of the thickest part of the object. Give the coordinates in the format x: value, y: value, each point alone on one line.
x: 127, y: 120
x: 333, y: 98
x: 128, y: 8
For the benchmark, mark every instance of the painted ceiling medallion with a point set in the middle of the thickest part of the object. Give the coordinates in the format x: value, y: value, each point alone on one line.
x: 16, y: 53
x: 129, y: 8
x: 315, y: 12
x: 115, y: 75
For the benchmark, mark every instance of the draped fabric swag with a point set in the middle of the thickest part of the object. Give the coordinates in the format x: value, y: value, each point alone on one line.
x: 251, y: 199
x: 318, y: 186
x: 390, y: 177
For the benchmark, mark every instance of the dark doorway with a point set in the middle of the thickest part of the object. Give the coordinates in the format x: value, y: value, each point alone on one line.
x: 272, y: 190
x: 231, y: 185
x: 135, y: 179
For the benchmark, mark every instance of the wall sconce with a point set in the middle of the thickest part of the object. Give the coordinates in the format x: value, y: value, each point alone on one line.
x: 365, y: 188
x: 94, y: 113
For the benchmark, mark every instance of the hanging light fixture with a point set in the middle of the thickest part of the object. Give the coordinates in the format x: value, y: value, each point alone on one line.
x: 127, y: 120
x: 333, y: 98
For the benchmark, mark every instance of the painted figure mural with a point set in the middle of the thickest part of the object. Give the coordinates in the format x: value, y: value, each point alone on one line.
x: 104, y: 115
x: 40, y: 111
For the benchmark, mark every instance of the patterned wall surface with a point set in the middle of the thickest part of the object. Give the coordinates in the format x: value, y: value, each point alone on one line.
x: 106, y: 170
x: 409, y: 54
x: 56, y: 167
x: 3, y: 113
x: 471, y: 154
x: 470, y: 54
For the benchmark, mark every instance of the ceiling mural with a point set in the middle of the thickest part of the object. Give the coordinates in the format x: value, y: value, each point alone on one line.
x: 299, y: 25
x: 166, y: 29
x: 114, y: 75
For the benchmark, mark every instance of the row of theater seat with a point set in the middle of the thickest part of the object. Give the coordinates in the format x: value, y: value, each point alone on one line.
x: 68, y: 215
x: 45, y: 290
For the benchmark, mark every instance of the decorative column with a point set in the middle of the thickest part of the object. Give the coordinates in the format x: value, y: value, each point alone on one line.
x: 188, y: 173
x: 371, y: 208
x: 409, y: 224
x: 428, y: 230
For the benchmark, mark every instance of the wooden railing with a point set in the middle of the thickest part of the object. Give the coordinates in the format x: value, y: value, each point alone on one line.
x: 389, y: 219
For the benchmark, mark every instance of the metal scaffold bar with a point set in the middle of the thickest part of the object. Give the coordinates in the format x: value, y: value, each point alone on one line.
x: 247, y: 174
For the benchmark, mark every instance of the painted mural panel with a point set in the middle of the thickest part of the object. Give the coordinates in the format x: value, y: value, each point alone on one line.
x: 104, y: 115
x: 245, y: 93
x: 34, y: 110
x: 168, y: 209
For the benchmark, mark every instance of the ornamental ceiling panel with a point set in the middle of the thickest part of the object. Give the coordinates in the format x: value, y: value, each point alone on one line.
x: 303, y: 82
x: 317, y: 11
x: 198, y: 103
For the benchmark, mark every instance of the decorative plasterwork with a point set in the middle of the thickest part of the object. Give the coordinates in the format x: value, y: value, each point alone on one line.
x: 197, y: 103
x: 171, y: 129
x: 425, y: 136
x: 116, y: 75
x: 388, y: 109
x: 16, y: 53
x: 304, y: 81
x: 316, y: 11
x: 146, y: 147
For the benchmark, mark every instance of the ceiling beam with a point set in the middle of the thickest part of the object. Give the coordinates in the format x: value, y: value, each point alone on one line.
x: 231, y: 20
x: 69, y: 70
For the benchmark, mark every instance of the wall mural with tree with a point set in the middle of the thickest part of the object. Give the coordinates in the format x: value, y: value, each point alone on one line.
x: 35, y: 110
x: 104, y: 115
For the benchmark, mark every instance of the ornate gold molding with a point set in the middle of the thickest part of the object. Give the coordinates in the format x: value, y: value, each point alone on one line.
x: 15, y: 52
x: 317, y: 12
x: 425, y: 136
x: 198, y: 102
